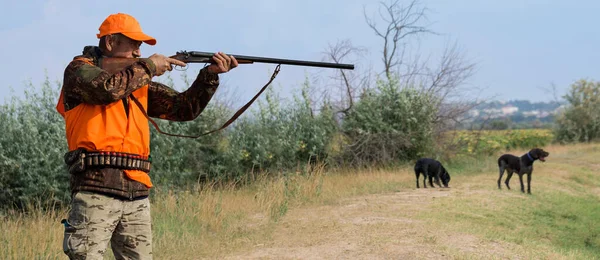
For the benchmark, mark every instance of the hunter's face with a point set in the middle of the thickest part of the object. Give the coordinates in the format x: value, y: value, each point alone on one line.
x: 123, y: 47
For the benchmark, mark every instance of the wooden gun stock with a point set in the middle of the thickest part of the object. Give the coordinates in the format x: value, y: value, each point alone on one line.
x: 114, y: 65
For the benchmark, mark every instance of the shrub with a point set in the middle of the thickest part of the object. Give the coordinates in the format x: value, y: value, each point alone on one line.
x: 389, y: 124
x: 580, y: 120
x: 31, y: 150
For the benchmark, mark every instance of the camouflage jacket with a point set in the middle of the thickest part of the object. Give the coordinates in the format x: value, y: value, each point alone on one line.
x: 85, y: 83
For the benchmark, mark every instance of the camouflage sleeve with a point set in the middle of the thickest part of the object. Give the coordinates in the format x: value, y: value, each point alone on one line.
x: 86, y: 83
x: 167, y: 103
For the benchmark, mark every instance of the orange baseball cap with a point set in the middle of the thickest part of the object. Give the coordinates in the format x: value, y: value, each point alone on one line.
x: 126, y: 25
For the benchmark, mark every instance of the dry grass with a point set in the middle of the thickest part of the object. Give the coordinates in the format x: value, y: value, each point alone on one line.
x: 217, y: 222
x: 37, y: 235
x: 366, y: 214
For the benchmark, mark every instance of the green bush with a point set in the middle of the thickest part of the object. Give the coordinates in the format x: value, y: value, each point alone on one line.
x: 283, y: 137
x: 580, y: 120
x: 390, y: 123
x: 32, y: 145
x: 179, y: 161
x: 274, y: 137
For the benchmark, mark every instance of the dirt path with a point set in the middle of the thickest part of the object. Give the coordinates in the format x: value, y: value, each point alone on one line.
x: 399, y: 225
x: 374, y: 227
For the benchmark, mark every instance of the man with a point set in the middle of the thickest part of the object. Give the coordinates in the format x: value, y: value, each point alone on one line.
x: 108, y: 137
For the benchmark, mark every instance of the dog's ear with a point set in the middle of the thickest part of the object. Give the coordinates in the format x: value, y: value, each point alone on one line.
x: 445, y: 172
x: 542, y: 153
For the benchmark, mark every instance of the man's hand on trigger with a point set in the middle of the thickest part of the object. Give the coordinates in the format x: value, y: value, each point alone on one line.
x: 222, y: 63
x: 164, y: 63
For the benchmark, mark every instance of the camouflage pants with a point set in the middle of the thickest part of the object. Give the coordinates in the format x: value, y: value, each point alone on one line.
x: 95, y: 219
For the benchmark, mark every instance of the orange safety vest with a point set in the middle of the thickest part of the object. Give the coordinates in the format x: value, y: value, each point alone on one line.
x: 108, y: 128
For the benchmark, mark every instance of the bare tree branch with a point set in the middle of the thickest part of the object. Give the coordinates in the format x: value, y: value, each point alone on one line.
x: 351, y: 81
x: 402, y: 22
x: 552, y: 89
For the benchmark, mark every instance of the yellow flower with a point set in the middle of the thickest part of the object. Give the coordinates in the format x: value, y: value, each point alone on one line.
x: 245, y: 154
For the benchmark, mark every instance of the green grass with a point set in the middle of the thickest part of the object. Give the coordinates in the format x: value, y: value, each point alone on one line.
x: 562, y: 213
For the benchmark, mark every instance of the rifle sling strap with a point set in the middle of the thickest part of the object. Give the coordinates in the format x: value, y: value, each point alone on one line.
x: 233, y: 118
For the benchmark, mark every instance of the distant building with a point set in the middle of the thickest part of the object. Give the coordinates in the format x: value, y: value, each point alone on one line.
x: 535, y: 113
x: 509, y: 110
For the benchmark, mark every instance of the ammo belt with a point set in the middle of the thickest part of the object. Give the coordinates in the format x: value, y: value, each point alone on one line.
x: 80, y: 160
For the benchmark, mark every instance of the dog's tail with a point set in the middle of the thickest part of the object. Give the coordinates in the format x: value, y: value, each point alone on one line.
x: 501, y: 160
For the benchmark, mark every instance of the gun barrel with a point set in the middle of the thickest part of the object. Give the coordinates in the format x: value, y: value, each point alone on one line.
x: 199, y: 56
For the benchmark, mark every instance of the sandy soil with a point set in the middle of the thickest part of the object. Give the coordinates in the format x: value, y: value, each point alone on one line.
x: 374, y: 227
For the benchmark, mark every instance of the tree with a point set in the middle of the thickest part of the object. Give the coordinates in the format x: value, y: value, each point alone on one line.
x: 580, y: 119
x: 350, y: 82
x: 402, y: 22
x: 441, y: 84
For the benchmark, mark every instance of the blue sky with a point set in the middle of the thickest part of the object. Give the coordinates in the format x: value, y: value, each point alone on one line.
x: 520, y: 46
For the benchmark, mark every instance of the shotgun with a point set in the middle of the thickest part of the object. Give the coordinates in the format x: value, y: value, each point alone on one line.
x: 206, y: 57
x: 115, y: 65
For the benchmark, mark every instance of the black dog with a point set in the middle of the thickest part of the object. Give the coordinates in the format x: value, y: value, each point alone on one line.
x: 520, y: 165
x: 432, y: 169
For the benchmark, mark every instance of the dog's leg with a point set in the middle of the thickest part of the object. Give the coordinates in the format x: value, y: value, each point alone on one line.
x: 508, y: 176
x: 431, y: 181
x: 417, y: 174
x: 437, y: 181
x: 425, y: 171
x: 500, y: 177
x: 521, y: 180
x: 529, y: 183
x: 437, y: 178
